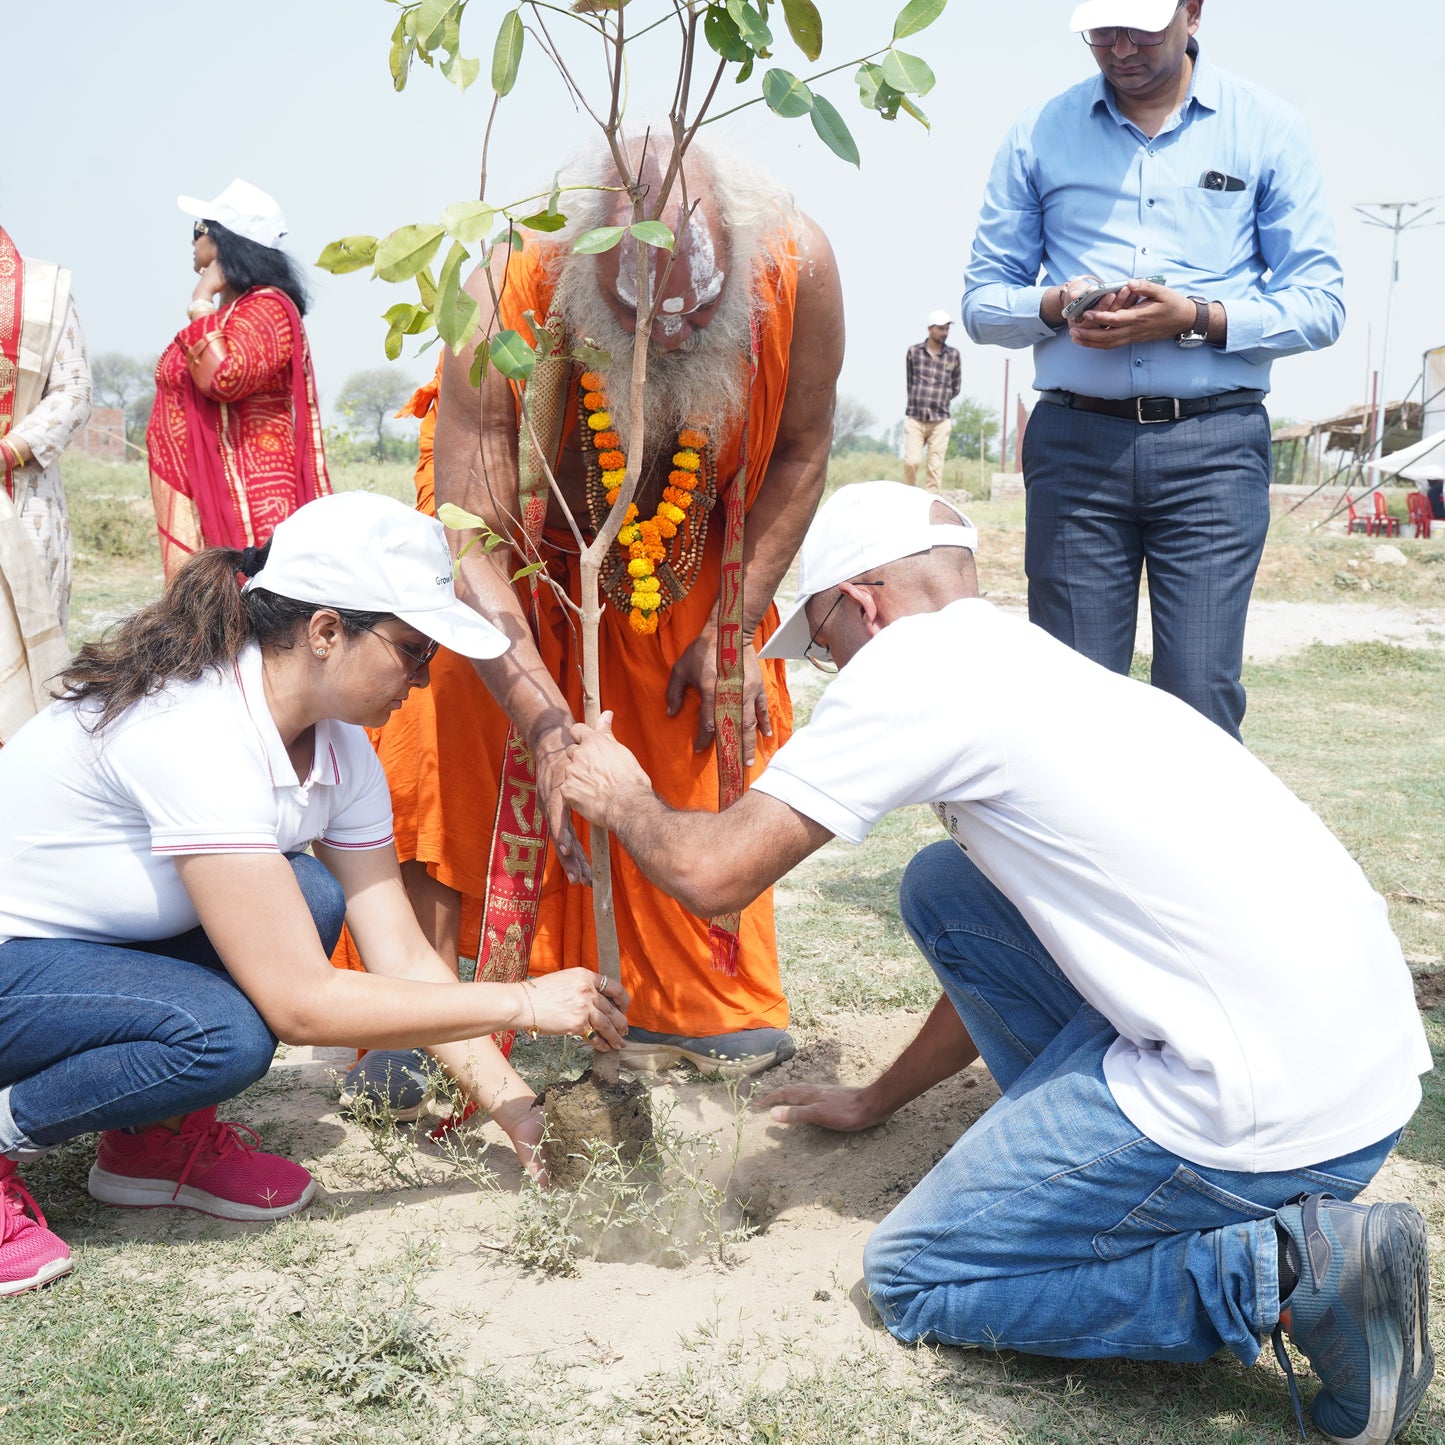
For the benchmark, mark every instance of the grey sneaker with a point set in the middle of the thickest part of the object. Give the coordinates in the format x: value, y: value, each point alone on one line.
x: 734, y: 1056
x: 1359, y: 1314
x: 397, y: 1080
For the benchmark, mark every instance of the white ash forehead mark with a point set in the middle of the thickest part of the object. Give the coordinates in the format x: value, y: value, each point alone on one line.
x: 704, y: 272
x: 671, y: 305
x: 669, y: 325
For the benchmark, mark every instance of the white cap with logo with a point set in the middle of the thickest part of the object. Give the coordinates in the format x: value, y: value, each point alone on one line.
x: 1130, y: 14
x: 242, y: 208
x: 860, y: 527
x: 939, y: 318
x: 359, y: 552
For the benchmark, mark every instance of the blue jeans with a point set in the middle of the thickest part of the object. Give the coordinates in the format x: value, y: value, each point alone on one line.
x: 1054, y: 1226
x: 1189, y: 498
x: 109, y: 1036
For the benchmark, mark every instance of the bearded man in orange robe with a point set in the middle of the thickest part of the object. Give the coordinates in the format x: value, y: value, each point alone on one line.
x: 744, y: 357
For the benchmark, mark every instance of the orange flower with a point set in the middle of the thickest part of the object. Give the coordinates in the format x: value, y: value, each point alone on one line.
x: 594, y: 401
x: 643, y: 622
x: 607, y: 441
x: 611, y: 460
x: 593, y: 381
x: 685, y: 480
x: 688, y: 437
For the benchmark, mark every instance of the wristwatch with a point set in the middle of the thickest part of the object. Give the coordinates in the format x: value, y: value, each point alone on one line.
x: 1198, y: 334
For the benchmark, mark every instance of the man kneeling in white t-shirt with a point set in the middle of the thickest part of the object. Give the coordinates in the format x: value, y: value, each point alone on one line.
x: 1186, y: 989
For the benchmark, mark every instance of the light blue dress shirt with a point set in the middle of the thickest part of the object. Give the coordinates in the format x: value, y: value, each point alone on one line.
x: 1077, y: 189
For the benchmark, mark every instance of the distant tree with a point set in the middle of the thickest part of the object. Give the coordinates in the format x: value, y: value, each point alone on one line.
x: 851, y: 420
x: 370, y: 399
x: 127, y: 383
x: 972, y: 420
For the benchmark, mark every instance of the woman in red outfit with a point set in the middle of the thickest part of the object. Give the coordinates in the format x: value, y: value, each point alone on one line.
x: 235, y: 436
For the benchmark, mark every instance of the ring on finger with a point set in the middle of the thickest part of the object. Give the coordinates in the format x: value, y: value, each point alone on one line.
x: 588, y: 1035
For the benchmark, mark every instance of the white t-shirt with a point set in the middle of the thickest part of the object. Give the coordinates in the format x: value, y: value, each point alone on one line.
x: 90, y: 823
x: 1265, y: 1013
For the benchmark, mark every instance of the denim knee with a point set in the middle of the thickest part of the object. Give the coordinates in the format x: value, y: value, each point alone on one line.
x: 323, y: 897
x: 931, y: 874
x: 887, y: 1293
x: 245, y: 1047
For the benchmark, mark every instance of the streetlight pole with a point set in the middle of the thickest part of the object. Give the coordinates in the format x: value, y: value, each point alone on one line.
x: 1376, y: 214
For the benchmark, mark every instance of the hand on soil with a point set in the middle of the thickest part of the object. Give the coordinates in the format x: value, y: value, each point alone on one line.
x: 830, y: 1106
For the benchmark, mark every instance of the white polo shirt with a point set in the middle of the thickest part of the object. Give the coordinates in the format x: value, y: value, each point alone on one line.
x: 1265, y: 1013
x: 90, y: 823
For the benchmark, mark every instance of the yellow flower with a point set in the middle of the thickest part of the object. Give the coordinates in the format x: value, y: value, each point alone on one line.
x: 600, y: 420
x: 688, y: 461
x: 639, y: 567
x: 647, y: 584
x: 613, y: 480
x: 673, y: 514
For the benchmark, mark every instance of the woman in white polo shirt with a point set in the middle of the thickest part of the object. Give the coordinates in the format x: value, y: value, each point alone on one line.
x: 161, y: 926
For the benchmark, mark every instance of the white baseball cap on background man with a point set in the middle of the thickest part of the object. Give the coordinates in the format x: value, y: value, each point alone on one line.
x: 939, y: 318
x: 243, y: 208
x: 1128, y: 14
x: 860, y: 527
x: 359, y: 552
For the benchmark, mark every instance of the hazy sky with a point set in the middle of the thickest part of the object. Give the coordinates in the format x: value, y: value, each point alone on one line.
x: 118, y: 105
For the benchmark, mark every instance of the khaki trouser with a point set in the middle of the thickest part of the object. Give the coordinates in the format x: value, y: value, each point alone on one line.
x: 918, y: 434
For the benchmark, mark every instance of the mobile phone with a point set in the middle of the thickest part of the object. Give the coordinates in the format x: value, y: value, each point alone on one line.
x: 1092, y: 297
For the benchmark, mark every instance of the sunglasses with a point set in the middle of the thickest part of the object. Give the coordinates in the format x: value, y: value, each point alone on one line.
x: 200, y: 229
x: 418, y: 659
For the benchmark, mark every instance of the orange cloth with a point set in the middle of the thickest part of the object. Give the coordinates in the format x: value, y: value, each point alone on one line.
x: 442, y: 750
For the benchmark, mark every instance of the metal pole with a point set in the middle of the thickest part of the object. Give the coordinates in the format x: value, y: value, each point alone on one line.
x: 1003, y: 424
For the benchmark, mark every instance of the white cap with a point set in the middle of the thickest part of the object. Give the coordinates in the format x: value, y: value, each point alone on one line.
x: 860, y: 527
x: 360, y: 552
x: 1132, y: 14
x: 241, y: 208
x: 939, y: 318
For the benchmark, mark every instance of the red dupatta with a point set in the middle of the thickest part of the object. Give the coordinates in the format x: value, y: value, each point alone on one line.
x: 12, y: 284
x: 215, y: 486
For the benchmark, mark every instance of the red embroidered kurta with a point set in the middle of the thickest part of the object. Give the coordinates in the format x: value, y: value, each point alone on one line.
x: 228, y: 463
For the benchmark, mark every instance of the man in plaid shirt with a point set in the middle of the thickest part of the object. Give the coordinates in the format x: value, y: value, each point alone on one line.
x: 935, y: 376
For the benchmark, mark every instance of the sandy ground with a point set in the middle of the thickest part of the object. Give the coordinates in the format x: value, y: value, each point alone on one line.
x: 792, y: 1289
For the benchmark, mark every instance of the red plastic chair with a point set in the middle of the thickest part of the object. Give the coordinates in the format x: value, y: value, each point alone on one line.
x: 1419, y: 510
x: 1382, y: 524
x: 1356, y: 522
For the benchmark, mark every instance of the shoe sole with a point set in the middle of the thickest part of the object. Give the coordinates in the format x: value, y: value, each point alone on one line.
x: 1397, y: 1305
x: 658, y: 1058
x: 128, y: 1193
x: 409, y: 1115
x: 51, y: 1269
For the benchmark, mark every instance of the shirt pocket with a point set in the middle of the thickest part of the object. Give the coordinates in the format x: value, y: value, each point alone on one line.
x: 1216, y: 230
x: 1183, y: 1204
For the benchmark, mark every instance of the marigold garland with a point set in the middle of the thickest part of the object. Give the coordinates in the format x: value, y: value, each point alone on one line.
x: 643, y: 542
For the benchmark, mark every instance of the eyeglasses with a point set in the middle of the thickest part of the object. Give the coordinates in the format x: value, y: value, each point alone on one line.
x: 1105, y: 37
x: 418, y: 659
x: 820, y: 657
x: 200, y: 229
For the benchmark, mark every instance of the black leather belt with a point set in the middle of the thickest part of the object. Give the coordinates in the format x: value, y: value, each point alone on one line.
x: 1149, y: 410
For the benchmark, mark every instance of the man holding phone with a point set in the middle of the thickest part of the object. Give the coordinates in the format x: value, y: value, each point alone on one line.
x: 1153, y: 442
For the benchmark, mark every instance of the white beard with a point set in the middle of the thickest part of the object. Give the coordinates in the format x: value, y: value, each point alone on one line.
x: 699, y: 384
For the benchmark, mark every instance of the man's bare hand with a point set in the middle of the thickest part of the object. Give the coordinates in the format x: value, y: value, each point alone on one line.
x: 830, y: 1106
x: 601, y: 774
x: 1141, y: 311
x: 697, y: 669
x: 550, y: 756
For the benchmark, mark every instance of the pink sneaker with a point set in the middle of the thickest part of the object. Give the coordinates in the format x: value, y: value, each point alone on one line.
x: 29, y: 1253
x: 206, y: 1166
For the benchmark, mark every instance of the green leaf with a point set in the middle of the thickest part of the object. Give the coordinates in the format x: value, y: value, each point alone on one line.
x: 744, y: 70
x: 400, y: 58
x: 402, y: 254
x: 876, y: 93
x: 720, y: 31
x: 653, y: 233
x: 785, y: 94
x: 406, y: 318
x: 430, y: 24
x: 460, y: 520
x: 427, y: 287
x: 917, y: 114
x: 805, y: 25
x: 350, y: 253
x: 507, y: 53
x: 479, y: 366
x: 512, y: 356
x: 468, y: 220
x: 602, y: 238
x: 917, y: 15
x: 542, y: 221
x: 832, y: 130
x: 591, y: 358
x: 528, y: 570
x: 907, y: 72
x: 460, y: 70
x: 751, y: 25
x: 456, y: 311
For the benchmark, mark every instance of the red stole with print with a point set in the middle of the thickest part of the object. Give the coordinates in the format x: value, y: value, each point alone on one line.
x: 12, y: 283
